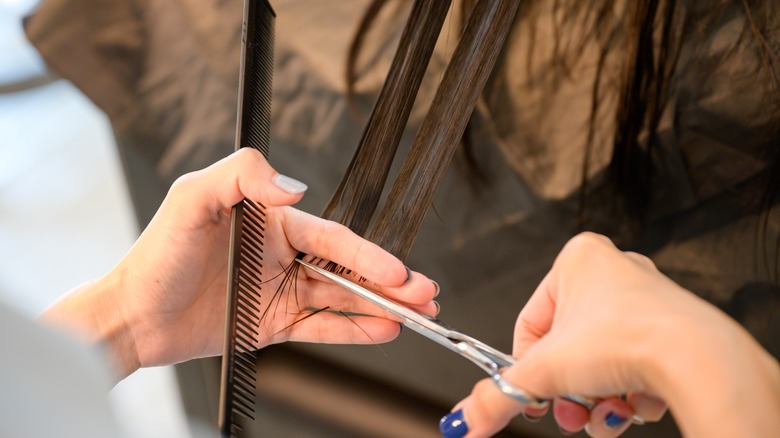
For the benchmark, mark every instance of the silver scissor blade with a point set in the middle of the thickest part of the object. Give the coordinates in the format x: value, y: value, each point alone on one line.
x: 420, y: 323
x: 481, y: 354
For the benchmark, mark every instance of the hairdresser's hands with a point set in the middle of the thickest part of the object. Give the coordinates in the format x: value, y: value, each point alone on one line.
x: 604, y: 322
x: 165, y: 301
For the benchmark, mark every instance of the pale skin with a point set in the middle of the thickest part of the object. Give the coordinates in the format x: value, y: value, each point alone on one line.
x: 605, y: 322
x: 164, y: 302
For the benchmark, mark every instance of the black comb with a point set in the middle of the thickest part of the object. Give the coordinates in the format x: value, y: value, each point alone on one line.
x: 245, y: 266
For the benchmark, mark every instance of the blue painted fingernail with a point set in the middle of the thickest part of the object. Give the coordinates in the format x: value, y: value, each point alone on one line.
x: 453, y: 425
x: 613, y: 420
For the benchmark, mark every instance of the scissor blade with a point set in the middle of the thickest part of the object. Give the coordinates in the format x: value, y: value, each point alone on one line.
x: 418, y: 322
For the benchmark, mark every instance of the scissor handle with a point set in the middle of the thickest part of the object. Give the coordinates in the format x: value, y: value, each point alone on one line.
x: 492, y: 361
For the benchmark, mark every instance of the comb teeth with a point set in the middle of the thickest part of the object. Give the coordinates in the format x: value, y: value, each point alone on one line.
x: 239, y: 378
x: 246, y: 264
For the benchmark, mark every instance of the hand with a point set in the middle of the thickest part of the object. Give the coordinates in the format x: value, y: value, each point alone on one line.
x: 604, y: 323
x: 164, y: 303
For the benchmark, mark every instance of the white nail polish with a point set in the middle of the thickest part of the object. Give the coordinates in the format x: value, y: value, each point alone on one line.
x: 289, y: 185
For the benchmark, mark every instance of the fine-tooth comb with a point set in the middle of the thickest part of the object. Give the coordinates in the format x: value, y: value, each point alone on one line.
x: 245, y: 266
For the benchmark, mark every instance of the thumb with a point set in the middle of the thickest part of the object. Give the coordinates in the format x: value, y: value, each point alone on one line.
x: 249, y: 172
x: 243, y: 174
x: 260, y: 182
x: 483, y: 413
x: 487, y: 410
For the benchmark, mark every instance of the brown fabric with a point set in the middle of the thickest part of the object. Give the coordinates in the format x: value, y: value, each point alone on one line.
x: 165, y: 72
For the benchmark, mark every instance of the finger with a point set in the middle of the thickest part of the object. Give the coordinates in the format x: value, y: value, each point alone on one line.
x: 419, y: 290
x: 483, y: 413
x: 548, y: 375
x: 334, y: 328
x: 646, y: 406
x: 642, y: 260
x: 339, y: 299
x: 325, y: 294
x: 332, y: 241
x: 536, y: 317
x: 535, y: 414
x: 600, y: 238
x: 609, y: 418
x: 571, y: 417
x: 243, y: 174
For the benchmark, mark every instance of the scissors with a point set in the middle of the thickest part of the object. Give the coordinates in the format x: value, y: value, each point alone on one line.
x: 489, y: 359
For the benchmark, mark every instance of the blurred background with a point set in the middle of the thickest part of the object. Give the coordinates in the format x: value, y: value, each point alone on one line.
x: 65, y: 213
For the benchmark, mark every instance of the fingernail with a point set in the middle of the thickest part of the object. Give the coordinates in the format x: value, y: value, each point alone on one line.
x: 532, y: 418
x: 438, y: 307
x: 613, y: 420
x: 289, y: 185
x: 565, y: 432
x: 534, y: 415
x: 453, y: 425
x: 408, y: 275
x: 438, y: 289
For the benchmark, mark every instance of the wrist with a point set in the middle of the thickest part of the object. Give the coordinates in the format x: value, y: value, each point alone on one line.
x: 716, y: 379
x: 91, y: 313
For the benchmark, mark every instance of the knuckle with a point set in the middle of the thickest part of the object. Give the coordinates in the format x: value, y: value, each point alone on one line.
x: 323, y: 238
x: 183, y: 182
x: 248, y: 161
x: 585, y: 244
x: 248, y: 155
x: 357, y: 256
x: 589, y: 240
x: 641, y: 259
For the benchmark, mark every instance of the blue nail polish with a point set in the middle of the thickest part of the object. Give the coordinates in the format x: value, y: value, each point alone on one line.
x: 613, y: 420
x: 453, y: 425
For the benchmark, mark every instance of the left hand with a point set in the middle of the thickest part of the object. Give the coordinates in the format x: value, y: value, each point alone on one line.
x: 164, y: 302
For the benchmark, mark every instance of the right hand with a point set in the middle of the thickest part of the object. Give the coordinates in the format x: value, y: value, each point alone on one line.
x: 604, y: 323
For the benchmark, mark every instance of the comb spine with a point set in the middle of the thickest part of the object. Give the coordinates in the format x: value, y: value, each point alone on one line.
x: 245, y: 264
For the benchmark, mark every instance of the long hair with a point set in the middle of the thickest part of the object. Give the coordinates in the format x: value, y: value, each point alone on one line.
x: 649, y: 35
x: 356, y: 198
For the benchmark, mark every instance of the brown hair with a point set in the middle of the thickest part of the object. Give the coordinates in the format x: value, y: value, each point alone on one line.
x: 357, y: 196
x: 438, y: 136
x: 652, y: 33
x: 358, y: 193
